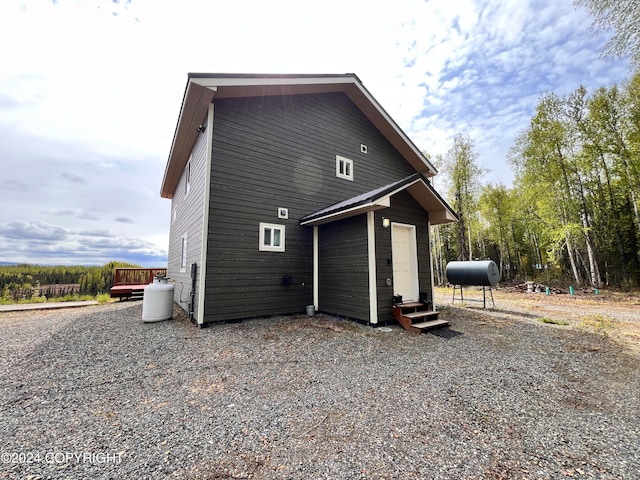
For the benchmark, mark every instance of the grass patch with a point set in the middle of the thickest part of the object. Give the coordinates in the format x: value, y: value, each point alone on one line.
x: 6, y: 301
x: 103, y: 298
x: 598, y: 323
x: 553, y: 321
x: 72, y: 298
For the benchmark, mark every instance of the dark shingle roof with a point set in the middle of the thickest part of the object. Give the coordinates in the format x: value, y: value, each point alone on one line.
x: 371, y: 201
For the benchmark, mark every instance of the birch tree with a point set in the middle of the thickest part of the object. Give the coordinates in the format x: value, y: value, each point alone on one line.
x: 464, y: 175
x: 621, y: 16
x: 578, y: 165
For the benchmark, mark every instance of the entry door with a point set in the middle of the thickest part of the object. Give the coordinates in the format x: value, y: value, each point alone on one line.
x: 405, y: 261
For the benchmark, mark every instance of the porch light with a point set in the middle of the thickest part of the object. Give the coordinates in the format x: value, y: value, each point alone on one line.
x: 386, y: 223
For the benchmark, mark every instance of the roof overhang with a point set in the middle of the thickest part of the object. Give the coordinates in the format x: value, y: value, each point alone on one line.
x: 418, y: 187
x: 203, y: 88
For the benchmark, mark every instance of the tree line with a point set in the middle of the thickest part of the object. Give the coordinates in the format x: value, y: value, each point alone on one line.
x: 25, y: 280
x: 573, y: 211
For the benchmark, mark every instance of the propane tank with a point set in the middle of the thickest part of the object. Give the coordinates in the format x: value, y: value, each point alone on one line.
x: 483, y: 273
x: 157, y: 304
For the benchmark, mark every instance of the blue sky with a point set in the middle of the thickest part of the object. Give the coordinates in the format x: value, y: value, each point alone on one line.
x: 90, y: 93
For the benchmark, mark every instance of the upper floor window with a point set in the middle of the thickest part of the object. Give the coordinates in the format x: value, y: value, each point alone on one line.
x: 187, y: 177
x: 344, y: 168
x: 271, y: 237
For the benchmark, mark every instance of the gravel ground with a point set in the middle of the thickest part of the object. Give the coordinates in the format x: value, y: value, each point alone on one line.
x: 98, y: 394
x: 615, y: 314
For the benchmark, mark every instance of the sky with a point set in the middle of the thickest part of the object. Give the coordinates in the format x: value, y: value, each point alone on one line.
x: 90, y: 93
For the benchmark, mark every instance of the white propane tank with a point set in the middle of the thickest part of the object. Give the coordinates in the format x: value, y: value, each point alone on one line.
x: 157, y: 304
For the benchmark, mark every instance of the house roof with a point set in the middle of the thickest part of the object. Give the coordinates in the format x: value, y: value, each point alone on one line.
x: 203, y: 88
x: 417, y: 185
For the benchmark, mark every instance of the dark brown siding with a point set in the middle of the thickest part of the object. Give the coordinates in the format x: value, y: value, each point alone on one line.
x: 343, y: 268
x: 280, y: 152
x: 404, y: 209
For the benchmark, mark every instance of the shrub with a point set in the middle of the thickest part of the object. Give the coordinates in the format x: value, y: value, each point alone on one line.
x: 553, y: 321
x: 103, y: 298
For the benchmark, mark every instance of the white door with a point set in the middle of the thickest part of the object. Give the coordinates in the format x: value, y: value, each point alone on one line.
x: 405, y: 261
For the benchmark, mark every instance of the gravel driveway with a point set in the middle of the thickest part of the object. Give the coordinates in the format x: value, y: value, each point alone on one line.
x: 95, y: 393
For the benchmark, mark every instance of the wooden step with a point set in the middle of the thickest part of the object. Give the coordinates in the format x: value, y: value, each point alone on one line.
x: 431, y: 324
x: 429, y: 317
x: 421, y: 314
x: 410, y: 305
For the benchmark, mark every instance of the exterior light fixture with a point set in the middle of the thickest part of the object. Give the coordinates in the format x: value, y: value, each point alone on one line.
x: 386, y: 223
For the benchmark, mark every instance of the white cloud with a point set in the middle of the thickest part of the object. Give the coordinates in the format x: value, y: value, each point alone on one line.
x: 90, y: 90
x: 39, y: 242
x: 485, y: 69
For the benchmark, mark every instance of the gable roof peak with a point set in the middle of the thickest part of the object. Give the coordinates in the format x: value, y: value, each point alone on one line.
x: 203, y: 88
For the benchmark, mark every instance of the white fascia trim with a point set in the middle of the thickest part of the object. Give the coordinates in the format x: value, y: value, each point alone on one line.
x: 205, y: 220
x: 316, y: 264
x: 184, y: 137
x: 350, y: 212
x: 387, y: 199
x: 371, y: 248
x: 249, y: 81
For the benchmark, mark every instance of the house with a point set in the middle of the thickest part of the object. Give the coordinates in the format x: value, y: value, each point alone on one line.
x: 292, y: 190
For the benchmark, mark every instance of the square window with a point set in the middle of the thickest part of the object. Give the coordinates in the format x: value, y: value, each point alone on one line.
x: 283, y: 213
x: 363, y: 148
x: 271, y: 237
x: 344, y: 168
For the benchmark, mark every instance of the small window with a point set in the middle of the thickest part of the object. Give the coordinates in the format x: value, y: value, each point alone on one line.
x: 271, y: 237
x: 283, y: 213
x: 344, y: 168
x: 363, y: 148
x: 183, y: 254
x: 187, y: 177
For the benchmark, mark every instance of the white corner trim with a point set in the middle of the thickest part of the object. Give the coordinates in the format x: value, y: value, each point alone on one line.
x: 433, y: 290
x: 202, y: 268
x: 371, y: 248
x: 316, y: 273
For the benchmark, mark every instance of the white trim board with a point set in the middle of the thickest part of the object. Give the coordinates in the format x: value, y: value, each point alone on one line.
x: 413, y: 275
x: 202, y: 270
x: 316, y: 273
x: 371, y: 249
